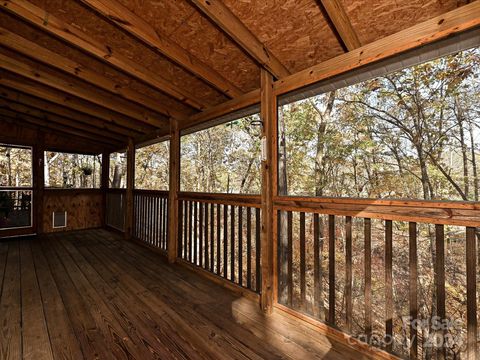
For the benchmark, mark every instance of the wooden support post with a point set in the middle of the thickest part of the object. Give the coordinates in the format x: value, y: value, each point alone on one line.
x: 130, y: 183
x: 269, y: 188
x: 38, y: 173
x: 105, y: 184
x: 174, y: 188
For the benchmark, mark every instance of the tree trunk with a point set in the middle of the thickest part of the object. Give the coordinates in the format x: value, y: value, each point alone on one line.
x: 460, y: 120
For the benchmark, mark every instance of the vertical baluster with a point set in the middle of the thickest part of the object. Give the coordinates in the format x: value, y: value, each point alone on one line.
x: 225, y: 240
x: 471, y: 294
x: 303, y: 269
x: 249, y: 247
x: 200, y: 234
x: 165, y: 221
x: 240, y: 246
x: 162, y: 229
x: 180, y: 229
x: 190, y: 231
x: 368, y: 277
x: 206, y: 248
x: 156, y: 221
x: 258, y: 252
x: 290, y: 258
x: 413, y: 287
x: 218, y: 239
x: 440, y: 280
x: 212, y: 237
x: 389, y: 284
x: 185, y: 230
x: 195, y: 228
x: 348, y: 274
x: 331, y: 269
x: 318, y: 310
x: 232, y: 243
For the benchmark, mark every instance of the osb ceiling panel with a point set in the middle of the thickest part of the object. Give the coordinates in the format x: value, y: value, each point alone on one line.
x: 40, y: 38
x: 103, y: 31
x: 183, y: 24
x: 295, y: 31
x: 375, y: 19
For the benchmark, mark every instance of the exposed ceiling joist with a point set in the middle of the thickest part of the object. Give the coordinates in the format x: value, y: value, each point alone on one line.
x: 50, y: 58
x: 135, y: 25
x: 82, y: 106
x: 216, y: 11
x: 30, y: 101
x: 72, y: 35
x: 46, y: 123
x: 75, y: 89
x: 454, y: 22
x: 57, y: 119
x: 341, y: 23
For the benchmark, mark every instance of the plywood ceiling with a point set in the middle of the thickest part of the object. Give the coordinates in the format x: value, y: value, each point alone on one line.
x: 299, y: 33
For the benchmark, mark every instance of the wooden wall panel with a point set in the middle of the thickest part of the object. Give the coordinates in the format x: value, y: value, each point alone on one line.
x: 83, y: 207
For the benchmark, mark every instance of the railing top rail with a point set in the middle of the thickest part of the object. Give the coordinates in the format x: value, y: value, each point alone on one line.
x: 163, y: 193
x: 229, y: 199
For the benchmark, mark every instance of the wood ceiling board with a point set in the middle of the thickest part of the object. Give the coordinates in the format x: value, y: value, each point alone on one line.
x: 42, y: 74
x: 200, y: 37
x: 46, y: 93
x: 79, y: 26
x: 295, y: 31
x: 391, y: 16
x: 57, y: 46
x: 123, y: 18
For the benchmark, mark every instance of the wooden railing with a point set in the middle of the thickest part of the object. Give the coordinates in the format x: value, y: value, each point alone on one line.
x: 115, y: 208
x: 366, y: 266
x: 221, y: 234
x: 150, y: 223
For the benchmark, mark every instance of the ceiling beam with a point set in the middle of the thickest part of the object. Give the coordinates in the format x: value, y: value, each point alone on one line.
x: 221, y: 15
x: 56, y: 127
x: 33, y: 102
x: 341, y: 23
x: 60, y: 120
x: 139, y: 28
x: 451, y: 23
x: 59, y: 62
x: 73, y: 36
x: 110, y: 102
x: 82, y: 106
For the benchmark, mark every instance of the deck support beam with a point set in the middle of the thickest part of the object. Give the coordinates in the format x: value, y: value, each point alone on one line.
x: 130, y: 184
x: 174, y: 188
x: 38, y: 176
x: 269, y: 188
x: 104, y: 184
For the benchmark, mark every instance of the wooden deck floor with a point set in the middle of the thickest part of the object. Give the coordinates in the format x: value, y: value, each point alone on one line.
x: 91, y: 295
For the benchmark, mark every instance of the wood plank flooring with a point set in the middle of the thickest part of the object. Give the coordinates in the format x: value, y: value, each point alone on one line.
x: 91, y: 295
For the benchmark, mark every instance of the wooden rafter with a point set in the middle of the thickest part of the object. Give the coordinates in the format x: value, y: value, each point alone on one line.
x: 221, y: 15
x: 5, y: 113
x: 72, y: 35
x: 76, y: 89
x: 50, y: 58
x: 127, y: 20
x: 74, y: 103
x: 57, y: 119
x: 454, y: 22
x: 13, y: 96
x: 341, y: 23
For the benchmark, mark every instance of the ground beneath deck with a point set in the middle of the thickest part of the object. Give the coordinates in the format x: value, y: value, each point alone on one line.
x: 92, y: 295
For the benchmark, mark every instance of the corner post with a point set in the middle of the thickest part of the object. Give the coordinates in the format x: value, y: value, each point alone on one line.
x: 130, y: 184
x: 38, y: 174
x: 173, y: 190
x: 269, y: 189
x: 104, y: 184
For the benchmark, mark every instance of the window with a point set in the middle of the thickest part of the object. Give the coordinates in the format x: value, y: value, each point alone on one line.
x: 74, y: 171
x: 151, y: 166
x: 15, y: 187
x: 224, y: 158
x: 15, y: 166
x: 414, y: 133
x: 118, y: 170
